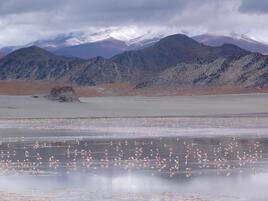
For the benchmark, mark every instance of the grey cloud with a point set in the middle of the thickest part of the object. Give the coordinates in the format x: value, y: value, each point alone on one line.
x: 35, y: 19
x: 254, y: 6
x: 9, y: 7
x: 100, y: 12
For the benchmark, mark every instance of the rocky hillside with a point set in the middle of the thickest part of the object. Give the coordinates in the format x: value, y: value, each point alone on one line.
x: 99, y: 70
x: 173, y: 61
x: 34, y: 63
x: 248, y: 71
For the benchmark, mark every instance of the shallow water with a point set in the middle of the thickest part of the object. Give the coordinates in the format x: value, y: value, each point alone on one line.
x: 155, y: 168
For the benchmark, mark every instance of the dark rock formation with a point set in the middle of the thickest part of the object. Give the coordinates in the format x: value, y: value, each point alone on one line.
x: 63, y: 94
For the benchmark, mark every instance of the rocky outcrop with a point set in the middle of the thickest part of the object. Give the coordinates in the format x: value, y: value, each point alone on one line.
x: 63, y: 94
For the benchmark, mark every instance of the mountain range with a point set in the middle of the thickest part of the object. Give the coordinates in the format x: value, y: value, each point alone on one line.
x: 87, y: 46
x: 104, y: 44
x: 173, y: 61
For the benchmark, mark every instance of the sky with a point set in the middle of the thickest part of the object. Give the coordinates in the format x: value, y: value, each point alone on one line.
x: 24, y: 21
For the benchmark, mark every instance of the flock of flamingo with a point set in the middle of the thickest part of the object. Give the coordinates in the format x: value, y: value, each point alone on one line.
x: 169, y: 157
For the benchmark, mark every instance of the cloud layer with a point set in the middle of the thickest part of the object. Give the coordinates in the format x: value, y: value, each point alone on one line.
x: 22, y: 21
x: 254, y: 6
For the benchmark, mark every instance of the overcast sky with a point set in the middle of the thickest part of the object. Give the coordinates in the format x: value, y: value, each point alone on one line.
x: 23, y: 21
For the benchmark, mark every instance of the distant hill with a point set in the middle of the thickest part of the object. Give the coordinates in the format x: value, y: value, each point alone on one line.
x: 241, y: 41
x: 105, y: 48
x: 174, y: 61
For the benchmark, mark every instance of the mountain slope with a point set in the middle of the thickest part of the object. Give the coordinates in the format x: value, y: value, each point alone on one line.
x: 248, y: 71
x: 2, y: 54
x: 173, y: 50
x: 242, y: 42
x: 99, y: 70
x: 34, y: 63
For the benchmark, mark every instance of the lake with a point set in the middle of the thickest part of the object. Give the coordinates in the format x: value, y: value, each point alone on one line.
x: 80, y: 167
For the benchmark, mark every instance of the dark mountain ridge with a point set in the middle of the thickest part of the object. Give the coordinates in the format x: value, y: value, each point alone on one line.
x: 173, y: 50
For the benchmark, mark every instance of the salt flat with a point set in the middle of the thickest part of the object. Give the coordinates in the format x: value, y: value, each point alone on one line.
x: 134, y: 106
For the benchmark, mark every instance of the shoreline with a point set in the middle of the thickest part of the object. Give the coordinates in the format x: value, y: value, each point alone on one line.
x: 43, y: 87
x: 229, y: 116
x: 208, y: 106
x: 134, y: 127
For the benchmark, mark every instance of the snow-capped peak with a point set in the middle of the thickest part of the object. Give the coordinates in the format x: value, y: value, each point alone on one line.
x: 149, y: 37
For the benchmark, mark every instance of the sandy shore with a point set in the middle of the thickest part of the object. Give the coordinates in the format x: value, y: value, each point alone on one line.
x: 74, y: 196
x: 5, y: 196
x: 12, y: 107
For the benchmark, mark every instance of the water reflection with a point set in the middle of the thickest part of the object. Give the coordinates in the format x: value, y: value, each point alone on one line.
x: 143, y: 165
